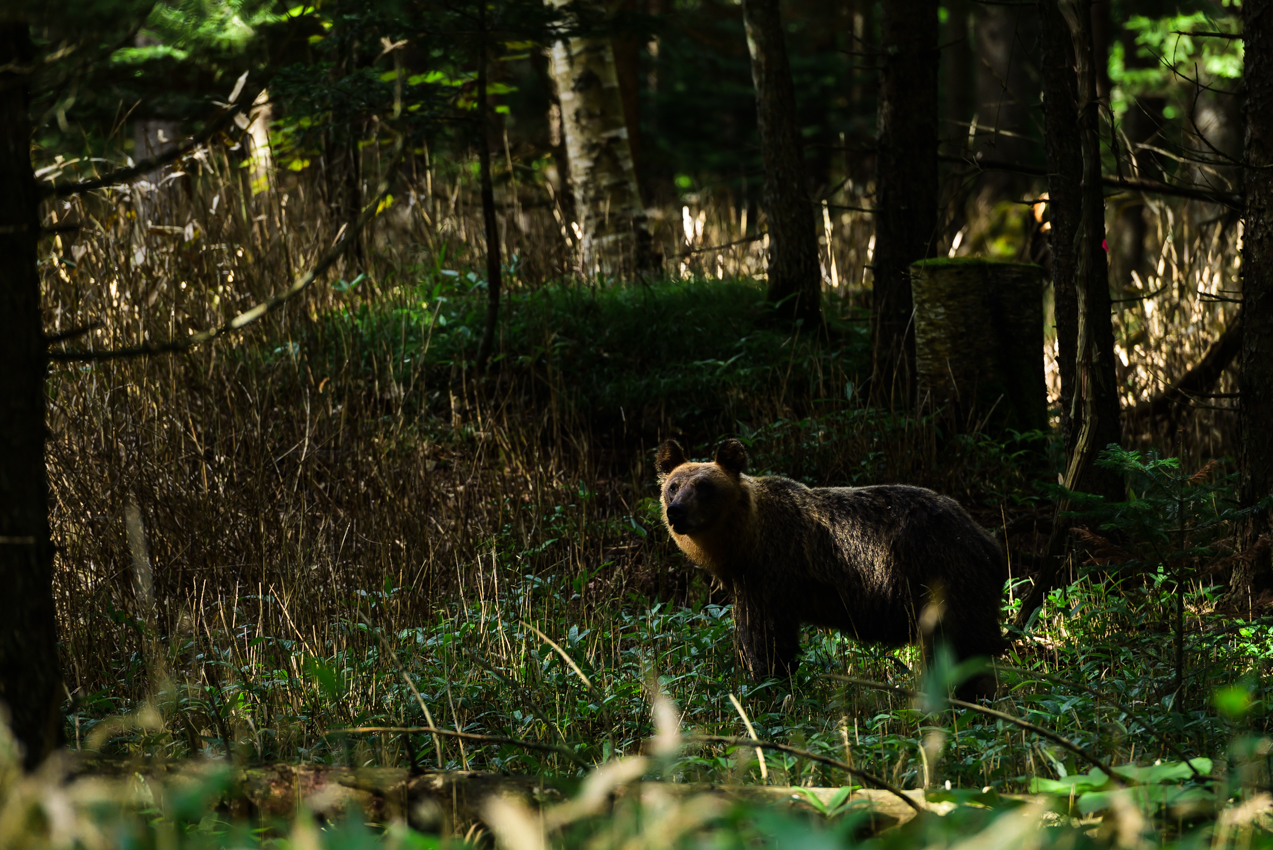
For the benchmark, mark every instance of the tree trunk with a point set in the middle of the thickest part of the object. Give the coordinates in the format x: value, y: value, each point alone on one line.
x: 979, y: 342
x: 905, y: 188
x: 30, y: 682
x: 1095, y: 406
x: 1142, y: 125
x: 1007, y: 89
x: 1090, y: 414
x: 627, y: 68
x: 1255, y: 381
x: 1085, y: 333
x: 795, y: 282
x: 1064, y: 153
x: 615, y: 241
x: 493, y: 277
x: 957, y: 63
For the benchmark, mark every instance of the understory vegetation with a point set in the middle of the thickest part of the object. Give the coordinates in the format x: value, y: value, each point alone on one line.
x: 338, y: 528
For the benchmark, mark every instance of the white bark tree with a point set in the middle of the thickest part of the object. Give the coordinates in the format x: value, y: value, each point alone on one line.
x: 612, y: 223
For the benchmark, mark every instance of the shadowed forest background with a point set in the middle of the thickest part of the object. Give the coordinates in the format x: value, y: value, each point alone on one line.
x: 340, y: 338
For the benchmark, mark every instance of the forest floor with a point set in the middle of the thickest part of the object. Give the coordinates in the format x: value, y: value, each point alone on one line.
x: 345, y: 528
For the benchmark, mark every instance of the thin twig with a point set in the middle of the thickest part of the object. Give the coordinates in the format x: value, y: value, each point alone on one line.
x: 805, y: 754
x: 743, y: 241
x: 1107, y: 698
x: 998, y: 715
x: 467, y: 736
x: 1137, y: 184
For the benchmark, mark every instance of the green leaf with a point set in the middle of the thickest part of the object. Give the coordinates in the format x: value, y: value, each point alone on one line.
x: 1233, y: 701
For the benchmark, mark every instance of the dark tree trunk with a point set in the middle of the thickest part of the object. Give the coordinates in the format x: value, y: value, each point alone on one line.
x: 1079, y: 271
x: 1101, y: 26
x: 1064, y: 152
x: 1007, y: 90
x: 627, y: 70
x: 1142, y: 125
x: 493, y: 277
x: 905, y: 187
x: 1255, y: 381
x: 795, y: 282
x: 1085, y: 333
x: 956, y: 74
x: 30, y: 682
x: 1095, y: 409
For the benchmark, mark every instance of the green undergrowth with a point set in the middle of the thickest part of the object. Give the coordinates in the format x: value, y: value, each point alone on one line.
x: 672, y: 353
x: 460, y: 553
x: 481, y: 668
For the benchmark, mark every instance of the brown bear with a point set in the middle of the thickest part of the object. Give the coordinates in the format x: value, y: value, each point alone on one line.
x: 865, y: 560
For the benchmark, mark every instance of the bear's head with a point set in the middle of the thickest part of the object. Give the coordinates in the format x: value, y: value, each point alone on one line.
x: 697, y: 495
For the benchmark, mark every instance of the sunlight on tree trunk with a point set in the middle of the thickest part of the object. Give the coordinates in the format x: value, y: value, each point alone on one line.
x: 30, y: 682
x: 795, y: 282
x: 612, y: 224
x: 905, y: 189
x: 262, y: 158
x: 1255, y: 381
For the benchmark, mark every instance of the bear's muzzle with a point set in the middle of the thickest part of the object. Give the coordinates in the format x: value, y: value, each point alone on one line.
x: 678, y: 516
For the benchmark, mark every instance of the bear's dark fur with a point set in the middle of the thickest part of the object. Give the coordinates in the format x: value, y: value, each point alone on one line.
x: 865, y: 560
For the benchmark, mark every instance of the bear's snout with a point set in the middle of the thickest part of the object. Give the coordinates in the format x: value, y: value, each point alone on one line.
x: 678, y: 516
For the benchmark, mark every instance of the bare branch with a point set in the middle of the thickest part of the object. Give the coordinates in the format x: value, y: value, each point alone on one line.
x: 1104, y: 767
x: 1136, y: 184
x: 805, y: 754
x: 467, y: 736
x: 145, y: 166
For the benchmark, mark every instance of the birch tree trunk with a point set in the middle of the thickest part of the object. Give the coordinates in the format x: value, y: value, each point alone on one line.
x: 795, y: 282
x: 614, y: 239
x: 1255, y: 380
x: 905, y: 187
x: 30, y: 682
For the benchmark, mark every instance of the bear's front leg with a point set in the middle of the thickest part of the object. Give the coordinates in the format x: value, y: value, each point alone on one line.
x: 768, y: 645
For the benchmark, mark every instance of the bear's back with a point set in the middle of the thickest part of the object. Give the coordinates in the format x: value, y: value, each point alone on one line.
x: 878, y: 549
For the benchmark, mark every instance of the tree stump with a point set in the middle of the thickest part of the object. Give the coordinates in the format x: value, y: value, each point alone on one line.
x: 979, y: 342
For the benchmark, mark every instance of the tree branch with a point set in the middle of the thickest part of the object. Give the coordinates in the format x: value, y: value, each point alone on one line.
x: 1104, y: 767
x: 124, y: 175
x: 1136, y: 184
x: 827, y: 760
x: 467, y: 736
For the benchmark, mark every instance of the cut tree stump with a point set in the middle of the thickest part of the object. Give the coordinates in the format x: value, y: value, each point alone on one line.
x: 979, y: 342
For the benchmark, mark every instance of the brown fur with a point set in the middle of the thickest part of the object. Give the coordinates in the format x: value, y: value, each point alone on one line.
x: 865, y: 560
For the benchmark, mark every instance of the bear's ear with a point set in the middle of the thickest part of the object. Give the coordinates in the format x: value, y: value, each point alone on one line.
x: 731, y: 456
x: 670, y: 456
